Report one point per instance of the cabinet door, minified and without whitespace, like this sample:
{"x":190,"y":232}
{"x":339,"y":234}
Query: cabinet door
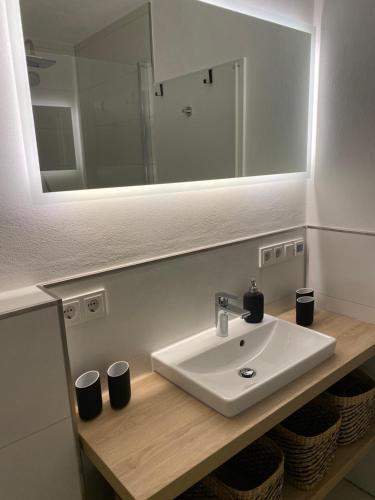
{"x":42,"y":466}
{"x":33,"y":381}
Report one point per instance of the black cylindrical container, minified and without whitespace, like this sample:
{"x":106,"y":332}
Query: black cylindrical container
{"x":119,"y":384}
{"x":305,"y":311}
{"x":304,"y":292}
{"x":253,"y":301}
{"x":89,"y":395}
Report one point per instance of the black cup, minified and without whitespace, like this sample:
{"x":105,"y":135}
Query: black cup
{"x":304,"y":292}
{"x":119,"y":384}
{"x":89,"y":395}
{"x":305,"y":311}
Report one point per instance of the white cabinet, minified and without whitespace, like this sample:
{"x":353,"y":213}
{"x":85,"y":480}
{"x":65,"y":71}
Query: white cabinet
{"x":38,"y":449}
{"x":32,"y":374}
{"x":42,"y":466}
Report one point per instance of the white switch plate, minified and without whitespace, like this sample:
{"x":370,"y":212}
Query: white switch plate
{"x":299,"y":247}
{"x":289,"y":250}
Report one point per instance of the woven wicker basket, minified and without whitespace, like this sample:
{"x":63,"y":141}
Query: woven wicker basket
{"x":354,"y":397}
{"x":308,"y":439}
{"x":256,"y":473}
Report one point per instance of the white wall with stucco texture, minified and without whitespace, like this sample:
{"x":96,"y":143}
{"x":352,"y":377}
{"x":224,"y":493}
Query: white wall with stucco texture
{"x":341,"y":200}
{"x":45,"y":241}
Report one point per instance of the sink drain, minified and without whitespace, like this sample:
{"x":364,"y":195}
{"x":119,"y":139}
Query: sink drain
{"x":247,"y":373}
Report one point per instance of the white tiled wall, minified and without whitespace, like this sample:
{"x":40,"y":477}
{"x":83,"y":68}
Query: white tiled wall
{"x":111,"y":122}
{"x":110,"y":100}
{"x":342,"y":272}
{"x":58,"y":88}
{"x":155,"y":304}
{"x":342,"y":194}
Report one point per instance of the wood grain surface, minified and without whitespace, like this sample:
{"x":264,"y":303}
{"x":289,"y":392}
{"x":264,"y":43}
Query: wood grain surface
{"x":165,"y":440}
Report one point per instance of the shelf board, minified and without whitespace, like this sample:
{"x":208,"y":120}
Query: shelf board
{"x":165,"y":440}
{"x":346,"y":458}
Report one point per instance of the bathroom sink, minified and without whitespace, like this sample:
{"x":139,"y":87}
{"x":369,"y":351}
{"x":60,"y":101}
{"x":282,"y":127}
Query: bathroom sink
{"x":231,"y":374}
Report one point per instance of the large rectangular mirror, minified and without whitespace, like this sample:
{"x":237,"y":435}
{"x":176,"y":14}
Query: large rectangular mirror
{"x":129,"y":93}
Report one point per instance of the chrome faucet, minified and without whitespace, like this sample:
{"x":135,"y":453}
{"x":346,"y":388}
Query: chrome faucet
{"x":222,"y":310}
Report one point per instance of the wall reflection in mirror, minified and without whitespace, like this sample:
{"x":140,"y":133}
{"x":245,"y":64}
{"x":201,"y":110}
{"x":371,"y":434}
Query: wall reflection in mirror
{"x":129,"y":93}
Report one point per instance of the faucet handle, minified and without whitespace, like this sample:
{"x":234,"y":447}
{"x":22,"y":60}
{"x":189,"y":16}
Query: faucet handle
{"x":222,"y":298}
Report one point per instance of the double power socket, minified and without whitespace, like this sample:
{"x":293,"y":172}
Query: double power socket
{"x":85,"y":307}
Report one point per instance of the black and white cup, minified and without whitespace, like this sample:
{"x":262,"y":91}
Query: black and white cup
{"x":89,"y":395}
{"x":119,"y":384}
{"x":304,"y":292}
{"x":305,"y":311}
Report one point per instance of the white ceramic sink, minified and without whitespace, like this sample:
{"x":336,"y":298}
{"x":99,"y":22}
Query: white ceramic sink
{"x":208,"y":366}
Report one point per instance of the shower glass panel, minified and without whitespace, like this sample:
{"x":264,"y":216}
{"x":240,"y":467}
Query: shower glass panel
{"x":112,"y":123}
{"x":88,"y":123}
{"x":54,"y":136}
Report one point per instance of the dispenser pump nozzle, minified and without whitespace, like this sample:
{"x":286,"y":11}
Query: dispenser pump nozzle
{"x":253,"y":287}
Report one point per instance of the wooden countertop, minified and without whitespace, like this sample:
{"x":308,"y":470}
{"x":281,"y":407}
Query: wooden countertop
{"x":166,"y":440}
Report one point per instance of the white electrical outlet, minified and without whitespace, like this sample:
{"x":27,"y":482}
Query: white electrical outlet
{"x":266,"y":256}
{"x":279,"y":253}
{"x":72,"y":312}
{"x":85,"y":307}
{"x":94,"y":305}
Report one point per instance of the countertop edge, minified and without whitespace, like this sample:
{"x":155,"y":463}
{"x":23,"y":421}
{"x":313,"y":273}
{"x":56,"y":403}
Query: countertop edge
{"x":233,"y":446}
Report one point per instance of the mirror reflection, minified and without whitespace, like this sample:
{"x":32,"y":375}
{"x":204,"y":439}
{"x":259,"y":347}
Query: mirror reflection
{"x":129,"y":93}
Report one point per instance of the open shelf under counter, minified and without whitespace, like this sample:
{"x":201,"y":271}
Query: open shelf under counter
{"x":346,"y":457}
{"x":165,"y":440}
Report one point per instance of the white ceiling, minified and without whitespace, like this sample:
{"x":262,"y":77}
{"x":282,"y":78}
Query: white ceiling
{"x":68,"y":22}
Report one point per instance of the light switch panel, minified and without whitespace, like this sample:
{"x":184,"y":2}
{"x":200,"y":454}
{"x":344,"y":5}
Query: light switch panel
{"x":289,"y":250}
{"x":279,"y":253}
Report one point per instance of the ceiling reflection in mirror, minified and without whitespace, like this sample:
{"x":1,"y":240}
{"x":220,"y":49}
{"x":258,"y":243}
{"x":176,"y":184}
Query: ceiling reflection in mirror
{"x":128,"y":93}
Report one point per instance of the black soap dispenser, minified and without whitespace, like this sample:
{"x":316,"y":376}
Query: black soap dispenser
{"x":253,"y":301}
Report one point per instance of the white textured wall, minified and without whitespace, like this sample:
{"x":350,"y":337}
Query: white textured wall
{"x":341,"y":265}
{"x":46,"y":241}
{"x":342,"y":194}
{"x":345,"y":173}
